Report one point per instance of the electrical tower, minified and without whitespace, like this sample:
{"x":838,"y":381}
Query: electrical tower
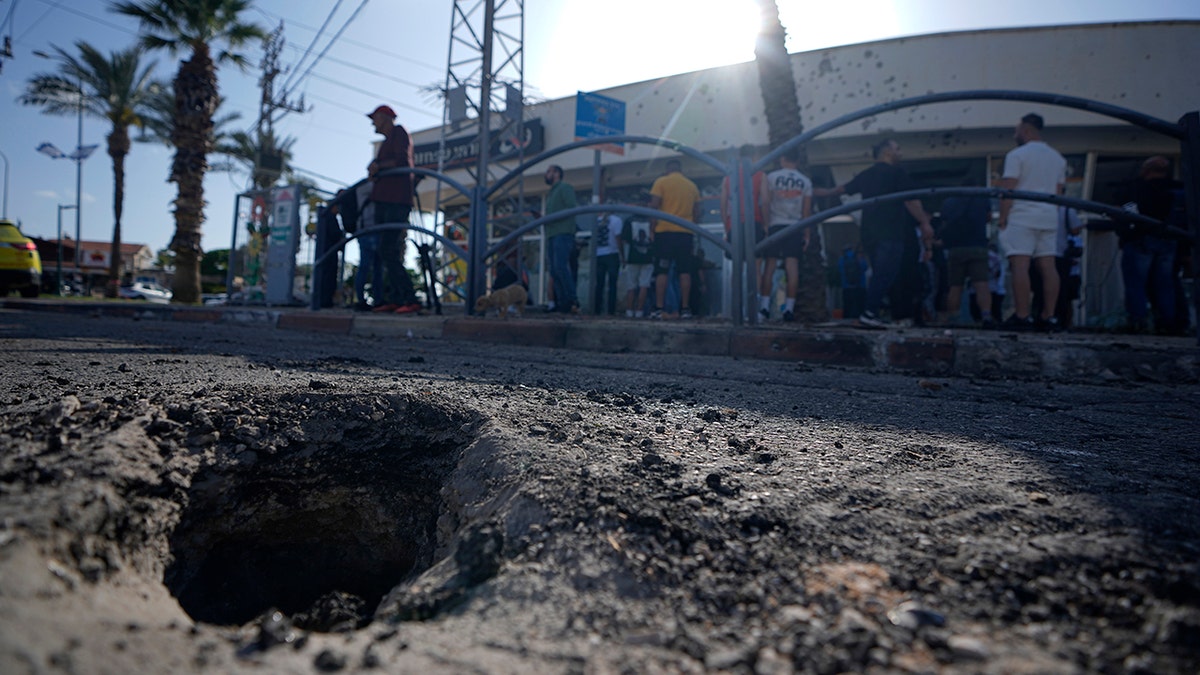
{"x":483,"y":99}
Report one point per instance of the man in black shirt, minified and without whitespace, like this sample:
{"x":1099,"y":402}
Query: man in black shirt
{"x":885,"y":227}
{"x":964,"y":234}
{"x":1148,"y":257}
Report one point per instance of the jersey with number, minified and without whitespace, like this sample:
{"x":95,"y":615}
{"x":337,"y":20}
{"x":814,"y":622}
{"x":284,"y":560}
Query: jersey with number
{"x":788,"y":188}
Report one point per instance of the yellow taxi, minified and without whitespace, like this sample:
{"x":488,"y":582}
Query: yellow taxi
{"x":20,"y":264}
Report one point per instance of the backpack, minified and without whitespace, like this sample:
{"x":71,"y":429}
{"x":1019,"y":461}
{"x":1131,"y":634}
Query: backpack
{"x":352,"y":205}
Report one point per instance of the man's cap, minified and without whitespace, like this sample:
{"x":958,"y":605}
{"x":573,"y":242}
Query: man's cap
{"x":383,"y":109}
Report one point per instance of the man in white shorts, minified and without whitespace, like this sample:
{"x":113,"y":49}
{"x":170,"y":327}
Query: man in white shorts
{"x":786,"y":197}
{"x":1029,"y":230}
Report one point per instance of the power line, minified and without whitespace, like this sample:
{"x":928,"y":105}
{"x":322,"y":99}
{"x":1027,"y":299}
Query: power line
{"x":336,"y":104}
{"x":76,"y":12}
{"x":369,"y":71}
{"x":335,"y":181}
{"x":8,"y":17}
{"x":373,"y":94}
{"x":34,"y":24}
{"x":332,"y":41}
{"x":313,"y":42}
{"x":7,"y":53}
{"x":356,"y":43}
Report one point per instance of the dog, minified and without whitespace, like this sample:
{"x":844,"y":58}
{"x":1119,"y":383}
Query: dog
{"x":503,"y":301}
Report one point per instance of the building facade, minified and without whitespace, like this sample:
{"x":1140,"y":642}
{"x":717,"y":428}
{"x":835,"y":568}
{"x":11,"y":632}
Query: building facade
{"x":1142,"y":66}
{"x":94,"y":257}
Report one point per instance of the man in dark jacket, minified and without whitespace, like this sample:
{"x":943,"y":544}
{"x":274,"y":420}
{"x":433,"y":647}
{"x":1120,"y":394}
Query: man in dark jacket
{"x":885,"y":227}
{"x":392,"y":197}
{"x":1148,"y":257}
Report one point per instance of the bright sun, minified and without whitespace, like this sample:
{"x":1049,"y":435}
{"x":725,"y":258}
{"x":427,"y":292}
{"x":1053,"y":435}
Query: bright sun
{"x":636,"y":40}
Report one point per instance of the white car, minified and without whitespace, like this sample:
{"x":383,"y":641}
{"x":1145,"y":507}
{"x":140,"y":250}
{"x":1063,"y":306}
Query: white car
{"x":144,"y":290}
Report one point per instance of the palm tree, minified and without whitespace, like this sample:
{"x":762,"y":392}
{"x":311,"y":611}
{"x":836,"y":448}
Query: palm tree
{"x":159,"y":119}
{"x":782,"y":107}
{"x":246,"y":148}
{"x":116,"y":88}
{"x":195,"y":26}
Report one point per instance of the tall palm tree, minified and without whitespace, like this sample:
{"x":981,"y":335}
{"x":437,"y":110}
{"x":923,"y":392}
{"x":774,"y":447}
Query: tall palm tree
{"x":158,"y":121}
{"x":116,"y":88}
{"x":195,"y":26}
{"x":782,"y":107}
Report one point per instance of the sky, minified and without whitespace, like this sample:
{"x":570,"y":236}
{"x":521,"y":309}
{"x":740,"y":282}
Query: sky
{"x":389,"y":51}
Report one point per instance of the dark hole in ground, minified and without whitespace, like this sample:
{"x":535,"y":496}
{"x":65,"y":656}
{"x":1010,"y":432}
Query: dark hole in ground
{"x":316,"y":525}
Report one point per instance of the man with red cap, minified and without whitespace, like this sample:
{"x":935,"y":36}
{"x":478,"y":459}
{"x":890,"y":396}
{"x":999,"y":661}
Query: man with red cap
{"x":393,"y":200}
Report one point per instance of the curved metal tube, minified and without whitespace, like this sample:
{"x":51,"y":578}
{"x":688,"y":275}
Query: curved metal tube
{"x":1081,"y":204}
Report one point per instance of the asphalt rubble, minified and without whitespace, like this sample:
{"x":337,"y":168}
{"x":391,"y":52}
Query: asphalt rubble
{"x":261,"y":490}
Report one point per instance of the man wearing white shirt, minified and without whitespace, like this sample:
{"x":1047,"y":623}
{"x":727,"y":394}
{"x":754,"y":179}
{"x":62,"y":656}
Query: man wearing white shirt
{"x":1029,"y":230}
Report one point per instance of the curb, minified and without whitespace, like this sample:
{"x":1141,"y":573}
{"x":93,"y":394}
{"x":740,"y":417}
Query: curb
{"x":931,"y":352}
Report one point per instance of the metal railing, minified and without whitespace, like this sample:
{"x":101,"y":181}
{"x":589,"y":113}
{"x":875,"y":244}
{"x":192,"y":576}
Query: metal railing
{"x":739,"y":174}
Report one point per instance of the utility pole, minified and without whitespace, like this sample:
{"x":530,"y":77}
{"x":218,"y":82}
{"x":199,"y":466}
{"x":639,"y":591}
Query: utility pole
{"x":268,"y":161}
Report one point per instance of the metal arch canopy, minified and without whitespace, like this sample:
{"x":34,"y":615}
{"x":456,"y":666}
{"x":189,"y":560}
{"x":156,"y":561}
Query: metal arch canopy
{"x":450,"y":244}
{"x":649,"y":140}
{"x":1143,"y":120}
{"x":605,"y":208}
{"x":1081,"y":204}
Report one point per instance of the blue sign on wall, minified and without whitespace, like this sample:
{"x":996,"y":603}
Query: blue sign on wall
{"x":598,"y":116}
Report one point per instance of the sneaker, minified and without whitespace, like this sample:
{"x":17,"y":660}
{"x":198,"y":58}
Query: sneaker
{"x":788,"y":316}
{"x":685,"y":313}
{"x":1050,"y":325}
{"x":656,"y":314}
{"x":988,"y":323}
{"x":386,"y":308}
{"x":870,"y":320}
{"x":409,"y":308}
{"x":629,"y":314}
{"x":639,"y":314}
{"x":362,"y":307}
{"x":764,"y":315}
{"x":1015,"y":323}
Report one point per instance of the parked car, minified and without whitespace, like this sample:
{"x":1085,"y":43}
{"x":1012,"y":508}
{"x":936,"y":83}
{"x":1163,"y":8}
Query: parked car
{"x":145,"y":290}
{"x":20,"y":264}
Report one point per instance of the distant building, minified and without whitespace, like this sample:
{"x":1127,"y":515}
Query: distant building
{"x":136,"y":260}
{"x":1145,"y":66}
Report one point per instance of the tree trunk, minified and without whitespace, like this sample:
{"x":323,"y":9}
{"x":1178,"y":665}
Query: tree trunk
{"x":782,"y":106}
{"x":195,"y":103}
{"x":118,"y":148}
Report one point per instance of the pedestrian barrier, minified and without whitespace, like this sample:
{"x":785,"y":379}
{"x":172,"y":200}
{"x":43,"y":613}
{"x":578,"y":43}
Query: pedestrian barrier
{"x":740,"y":173}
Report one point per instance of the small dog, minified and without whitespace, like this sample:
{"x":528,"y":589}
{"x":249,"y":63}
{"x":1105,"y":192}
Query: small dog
{"x":505,"y":300}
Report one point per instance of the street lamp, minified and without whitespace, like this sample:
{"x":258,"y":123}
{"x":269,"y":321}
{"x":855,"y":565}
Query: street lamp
{"x":5,"y":216}
{"x":58,"y":268}
{"x":79,"y":155}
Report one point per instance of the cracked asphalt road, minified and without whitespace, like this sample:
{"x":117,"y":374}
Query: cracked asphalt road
{"x":551,"y":511}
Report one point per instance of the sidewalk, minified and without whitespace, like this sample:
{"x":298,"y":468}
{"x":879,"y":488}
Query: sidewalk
{"x":923,"y":351}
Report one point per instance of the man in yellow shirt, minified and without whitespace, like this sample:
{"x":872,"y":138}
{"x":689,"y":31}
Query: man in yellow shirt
{"x":673,"y":193}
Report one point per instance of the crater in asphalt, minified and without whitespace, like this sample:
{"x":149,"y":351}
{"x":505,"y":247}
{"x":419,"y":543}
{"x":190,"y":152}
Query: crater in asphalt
{"x":320,"y":526}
